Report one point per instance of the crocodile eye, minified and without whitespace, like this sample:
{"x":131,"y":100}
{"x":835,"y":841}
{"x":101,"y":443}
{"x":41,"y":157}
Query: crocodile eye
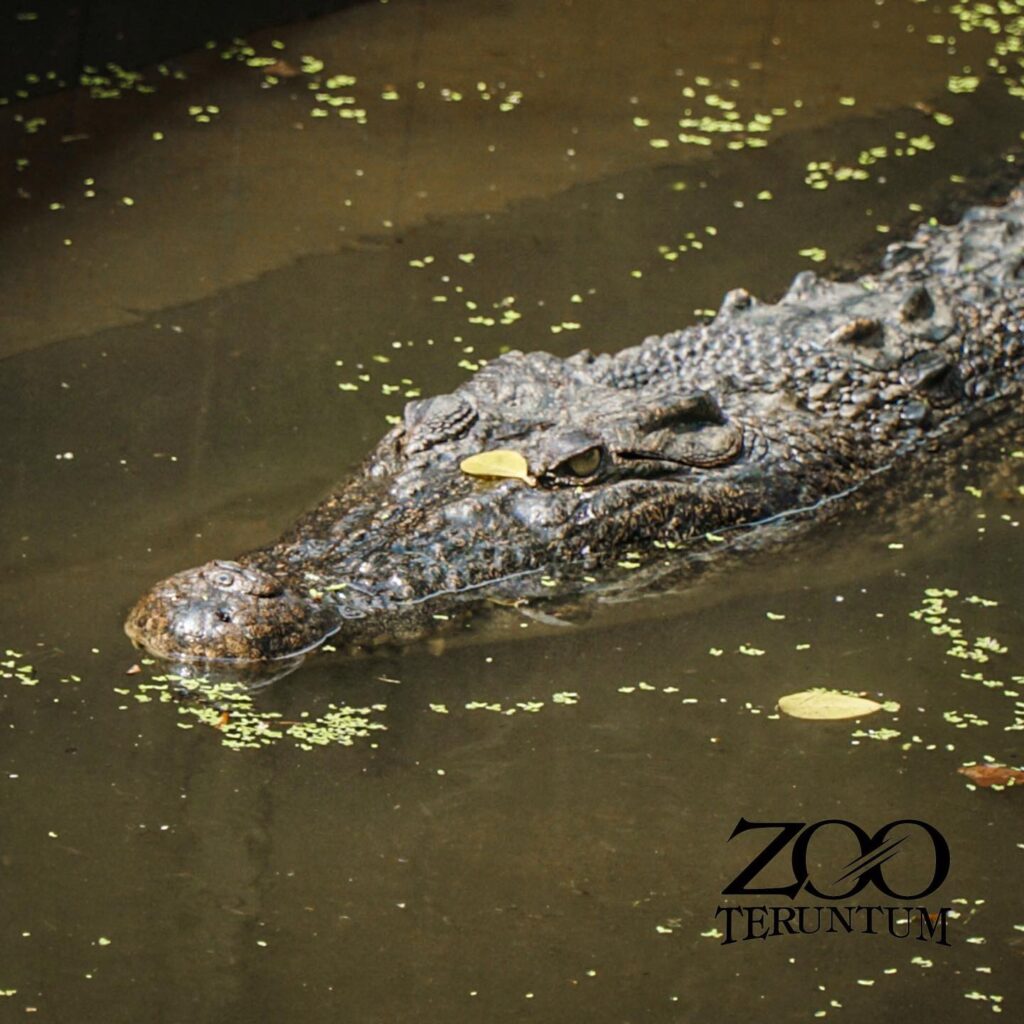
{"x":583,"y":464}
{"x":223,"y":579}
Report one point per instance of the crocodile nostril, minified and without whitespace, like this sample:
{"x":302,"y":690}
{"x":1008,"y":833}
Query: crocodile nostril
{"x":223,"y":615}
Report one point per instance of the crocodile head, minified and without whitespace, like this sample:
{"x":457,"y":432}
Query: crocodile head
{"x":767,"y":412}
{"x":413,"y":533}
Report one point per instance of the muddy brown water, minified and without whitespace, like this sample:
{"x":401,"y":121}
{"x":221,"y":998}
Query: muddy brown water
{"x":532,"y":823}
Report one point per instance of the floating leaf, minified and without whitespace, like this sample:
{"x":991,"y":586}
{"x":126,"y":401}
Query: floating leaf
{"x":986,"y":775}
{"x":280,"y":69}
{"x":826,"y":705}
{"x":501,"y":462}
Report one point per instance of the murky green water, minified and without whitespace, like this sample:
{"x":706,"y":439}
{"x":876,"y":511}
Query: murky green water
{"x":532,"y":823}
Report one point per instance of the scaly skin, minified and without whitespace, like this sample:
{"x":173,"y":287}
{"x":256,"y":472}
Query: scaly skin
{"x":769,"y":409}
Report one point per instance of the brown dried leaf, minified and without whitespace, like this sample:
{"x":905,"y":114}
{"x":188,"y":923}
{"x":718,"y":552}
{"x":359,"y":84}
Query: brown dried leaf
{"x":281,"y":69}
{"x":986,"y":775}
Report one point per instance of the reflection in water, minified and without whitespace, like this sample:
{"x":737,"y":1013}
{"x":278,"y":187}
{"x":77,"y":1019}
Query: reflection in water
{"x":207,"y":316}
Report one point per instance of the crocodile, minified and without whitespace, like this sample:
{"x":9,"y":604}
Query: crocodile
{"x":765,"y":411}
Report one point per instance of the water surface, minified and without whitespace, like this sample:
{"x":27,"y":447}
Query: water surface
{"x":528,"y":822}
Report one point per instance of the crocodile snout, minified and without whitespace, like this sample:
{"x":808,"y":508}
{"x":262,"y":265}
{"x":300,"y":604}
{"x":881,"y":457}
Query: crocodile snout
{"x":225,"y":611}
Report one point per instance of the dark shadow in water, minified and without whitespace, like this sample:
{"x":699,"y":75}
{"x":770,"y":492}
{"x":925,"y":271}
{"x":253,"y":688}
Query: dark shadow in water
{"x":64,"y":37}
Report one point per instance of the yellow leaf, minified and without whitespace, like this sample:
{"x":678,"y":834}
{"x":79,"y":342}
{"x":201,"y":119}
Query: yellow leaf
{"x":501,"y":462}
{"x":826,"y":705}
